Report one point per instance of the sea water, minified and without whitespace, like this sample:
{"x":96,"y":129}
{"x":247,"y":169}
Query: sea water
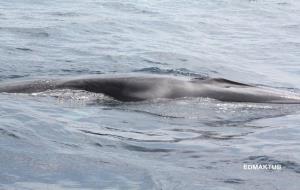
{"x":68,"y":139}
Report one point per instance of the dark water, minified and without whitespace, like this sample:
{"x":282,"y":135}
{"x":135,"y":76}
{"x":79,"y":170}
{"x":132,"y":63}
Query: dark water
{"x":78,"y":140}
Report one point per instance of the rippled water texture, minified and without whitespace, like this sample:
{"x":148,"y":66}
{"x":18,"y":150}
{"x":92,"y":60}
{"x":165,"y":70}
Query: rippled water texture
{"x":78,"y":140}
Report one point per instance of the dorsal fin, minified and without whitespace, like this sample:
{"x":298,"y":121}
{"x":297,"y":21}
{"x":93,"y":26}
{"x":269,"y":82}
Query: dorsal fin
{"x":222,"y":80}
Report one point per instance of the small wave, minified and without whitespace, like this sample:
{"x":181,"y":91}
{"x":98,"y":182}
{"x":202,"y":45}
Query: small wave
{"x":155,"y":62}
{"x":69,"y":145}
{"x":206,"y":135}
{"x":283,"y":3}
{"x":24,"y":49}
{"x":80,"y":71}
{"x":97,"y":144}
{"x":147,"y":112}
{"x":64,"y":14}
{"x":13,"y":76}
{"x":7,"y":133}
{"x":33,"y":32}
{"x":146,"y":149}
{"x":127,"y":7}
{"x":234,"y":181}
{"x":142,"y":138}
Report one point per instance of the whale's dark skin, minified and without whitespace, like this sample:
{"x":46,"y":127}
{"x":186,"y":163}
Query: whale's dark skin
{"x":139,"y":88}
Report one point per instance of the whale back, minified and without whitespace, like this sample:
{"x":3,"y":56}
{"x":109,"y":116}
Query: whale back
{"x":145,"y":88}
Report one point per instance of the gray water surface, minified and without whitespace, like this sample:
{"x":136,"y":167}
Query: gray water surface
{"x":78,"y":140}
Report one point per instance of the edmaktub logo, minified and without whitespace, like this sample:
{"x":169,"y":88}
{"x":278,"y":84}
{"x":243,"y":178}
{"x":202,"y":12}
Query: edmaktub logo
{"x":262,"y":167}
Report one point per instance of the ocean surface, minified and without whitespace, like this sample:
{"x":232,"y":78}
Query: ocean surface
{"x":67,"y":140}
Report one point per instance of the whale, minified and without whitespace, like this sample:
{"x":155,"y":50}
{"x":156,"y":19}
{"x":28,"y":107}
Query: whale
{"x":149,"y":87}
